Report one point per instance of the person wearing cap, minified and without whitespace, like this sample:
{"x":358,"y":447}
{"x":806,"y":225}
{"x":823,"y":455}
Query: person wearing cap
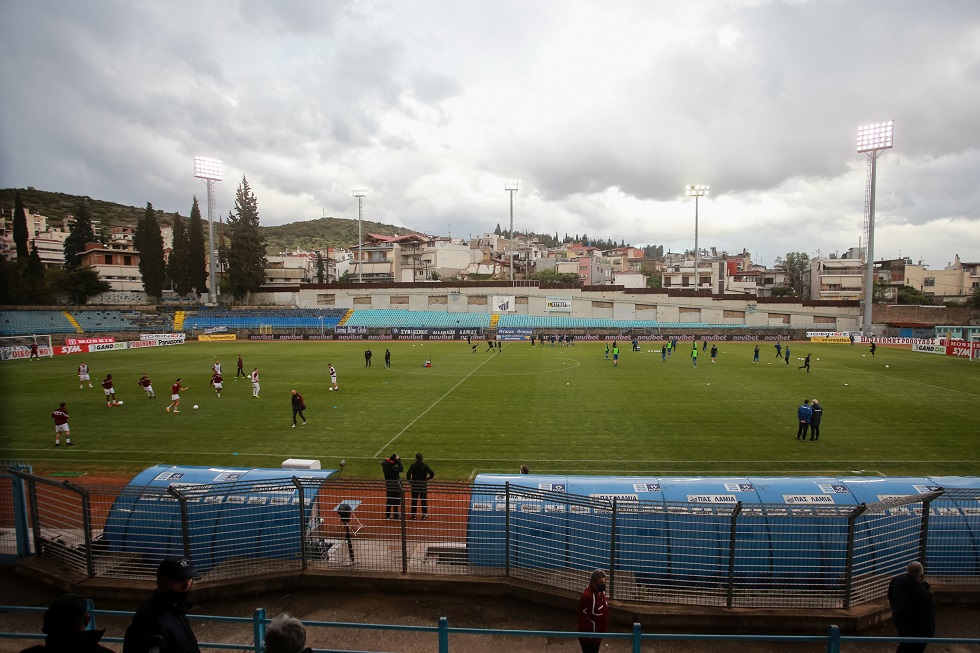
{"x":65,"y":628}
{"x":161,"y":623}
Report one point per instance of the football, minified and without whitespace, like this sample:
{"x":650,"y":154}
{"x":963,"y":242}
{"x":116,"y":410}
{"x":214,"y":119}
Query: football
{"x":195,"y":406}
{"x":119,"y":403}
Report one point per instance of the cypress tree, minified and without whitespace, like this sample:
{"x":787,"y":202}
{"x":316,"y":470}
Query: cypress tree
{"x":20,"y":228}
{"x":179,"y":264}
{"x":80,"y":233}
{"x":35,"y":269}
{"x":149,"y":241}
{"x":246,"y":260}
{"x":320,"y":273}
{"x":197,"y":251}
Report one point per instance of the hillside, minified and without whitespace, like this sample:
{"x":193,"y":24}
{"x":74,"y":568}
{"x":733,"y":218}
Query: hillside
{"x":311,"y":234}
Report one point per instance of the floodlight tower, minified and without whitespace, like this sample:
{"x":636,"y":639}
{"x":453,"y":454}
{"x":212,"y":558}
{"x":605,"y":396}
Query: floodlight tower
{"x":210,"y":170}
{"x":696,"y":191}
{"x":872,"y":140}
{"x":360,"y":192}
{"x":512,"y":187}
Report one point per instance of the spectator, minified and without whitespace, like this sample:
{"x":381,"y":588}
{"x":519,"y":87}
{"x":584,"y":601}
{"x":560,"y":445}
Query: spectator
{"x":912,"y":607}
{"x":65,"y":628}
{"x":392,"y":468}
{"x":593,"y":612}
{"x":160,"y":624}
{"x":285,"y":634}
{"x":419,"y":474}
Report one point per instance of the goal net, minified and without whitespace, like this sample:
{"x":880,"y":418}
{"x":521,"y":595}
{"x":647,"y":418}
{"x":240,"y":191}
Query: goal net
{"x":265,"y":329}
{"x":19,"y":347}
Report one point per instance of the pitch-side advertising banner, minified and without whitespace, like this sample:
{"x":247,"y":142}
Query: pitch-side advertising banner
{"x":88,"y":341}
{"x":162,"y":340}
{"x":840,"y":340}
{"x":930,"y":349}
{"x":218,"y":336}
{"x":12,"y":352}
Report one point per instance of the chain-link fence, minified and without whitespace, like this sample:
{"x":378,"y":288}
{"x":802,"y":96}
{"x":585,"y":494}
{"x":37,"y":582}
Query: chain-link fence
{"x":733,"y":555}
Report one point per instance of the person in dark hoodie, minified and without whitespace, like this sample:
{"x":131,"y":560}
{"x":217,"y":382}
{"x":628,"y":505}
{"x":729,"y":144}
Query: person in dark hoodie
{"x":392,"y":468}
{"x":912,"y":607}
{"x":160,"y":624}
{"x":65,"y":628}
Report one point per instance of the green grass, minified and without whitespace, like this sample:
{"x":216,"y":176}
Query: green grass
{"x":562,"y":410}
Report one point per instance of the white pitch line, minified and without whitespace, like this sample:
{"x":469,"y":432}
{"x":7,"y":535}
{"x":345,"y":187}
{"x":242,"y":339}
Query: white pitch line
{"x":433,"y":405}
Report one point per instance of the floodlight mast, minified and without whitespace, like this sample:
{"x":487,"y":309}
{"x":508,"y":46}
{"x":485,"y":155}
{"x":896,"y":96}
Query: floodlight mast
{"x":512,"y":187}
{"x":360,"y":192}
{"x":210,"y":170}
{"x":696,"y":191}
{"x":872,"y":140}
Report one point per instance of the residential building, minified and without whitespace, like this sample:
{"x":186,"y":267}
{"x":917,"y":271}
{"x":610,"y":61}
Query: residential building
{"x":837,"y":278}
{"x":117,"y":264}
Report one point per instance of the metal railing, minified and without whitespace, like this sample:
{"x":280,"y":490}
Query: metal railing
{"x":256,"y":626}
{"x":726,"y":555}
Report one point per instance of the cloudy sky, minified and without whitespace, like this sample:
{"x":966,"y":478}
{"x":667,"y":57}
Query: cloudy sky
{"x":603,"y":110}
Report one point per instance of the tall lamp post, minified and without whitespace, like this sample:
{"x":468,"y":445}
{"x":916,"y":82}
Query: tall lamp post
{"x":360,"y":193}
{"x":512,"y":187}
{"x":872,"y":140}
{"x":696,"y":191}
{"x":210,"y":170}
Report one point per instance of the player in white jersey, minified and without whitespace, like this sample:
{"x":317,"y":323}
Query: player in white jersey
{"x":83,"y":376}
{"x":333,"y":377}
{"x":255,"y":383}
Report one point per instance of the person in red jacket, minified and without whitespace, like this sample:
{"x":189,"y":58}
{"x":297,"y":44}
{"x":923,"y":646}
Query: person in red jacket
{"x":60,"y":417}
{"x":593,"y":612}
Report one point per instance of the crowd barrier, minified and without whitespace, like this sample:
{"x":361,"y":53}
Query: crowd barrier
{"x":733,"y":554}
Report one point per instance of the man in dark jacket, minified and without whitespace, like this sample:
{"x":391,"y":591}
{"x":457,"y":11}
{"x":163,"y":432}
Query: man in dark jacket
{"x":912,"y":608}
{"x":392,"y":467}
{"x":593,"y":612}
{"x":816,"y":414}
{"x":161,"y":623}
{"x":803,"y":415}
{"x":298,"y":407}
{"x":419,"y":474}
{"x":65,"y":625}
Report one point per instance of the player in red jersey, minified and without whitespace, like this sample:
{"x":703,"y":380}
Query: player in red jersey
{"x":175,"y":395}
{"x":144,"y":383}
{"x":61,"y":426}
{"x":83,"y":376}
{"x":110,"y":392}
{"x":216,"y":381}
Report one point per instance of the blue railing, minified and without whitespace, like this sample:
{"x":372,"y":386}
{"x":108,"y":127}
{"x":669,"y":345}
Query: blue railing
{"x":832,"y":640}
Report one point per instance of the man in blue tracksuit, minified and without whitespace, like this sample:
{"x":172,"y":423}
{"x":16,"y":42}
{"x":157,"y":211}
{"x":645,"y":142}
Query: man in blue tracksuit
{"x":803,"y":414}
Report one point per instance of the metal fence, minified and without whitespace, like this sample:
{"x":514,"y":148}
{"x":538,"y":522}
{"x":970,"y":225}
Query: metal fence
{"x":730,"y":555}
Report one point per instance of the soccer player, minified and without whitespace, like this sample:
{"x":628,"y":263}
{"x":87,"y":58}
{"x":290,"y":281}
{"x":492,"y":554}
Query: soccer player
{"x":175,"y":395}
{"x":615,"y":354}
{"x":694,"y":354}
{"x":787,"y":354}
{"x":61,"y":425}
{"x":663,"y":353}
{"x":241,"y":370}
{"x":34,"y":354}
{"x":714,"y":353}
{"x":333,"y":377}
{"x":110,"y":392}
{"x":83,"y":376}
{"x":144,"y":383}
{"x":216,"y":368}
{"x":387,"y":358}
{"x":755,"y":355}
{"x":255,"y":383}
{"x":216,"y":380}
{"x":806,"y":364}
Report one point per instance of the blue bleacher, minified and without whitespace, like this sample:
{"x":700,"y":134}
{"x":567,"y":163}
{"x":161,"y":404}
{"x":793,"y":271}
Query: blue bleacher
{"x":96,"y":321}
{"x":18,"y":323}
{"x":384,"y":318}
{"x":285,"y":318}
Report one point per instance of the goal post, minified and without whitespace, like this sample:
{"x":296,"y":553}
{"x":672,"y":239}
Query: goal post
{"x":265,"y":329}
{"x":19,"y":347}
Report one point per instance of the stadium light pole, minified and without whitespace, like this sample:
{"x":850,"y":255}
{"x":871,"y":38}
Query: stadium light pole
{"x":512,"y":187}
{"x":360,"y":193}
{"x":210,"y":170}
{"x":696,"y":191}
{"x":872,"y":140}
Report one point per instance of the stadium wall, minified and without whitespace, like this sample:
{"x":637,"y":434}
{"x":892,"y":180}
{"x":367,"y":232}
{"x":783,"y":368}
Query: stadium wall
{"x":610,"y":302}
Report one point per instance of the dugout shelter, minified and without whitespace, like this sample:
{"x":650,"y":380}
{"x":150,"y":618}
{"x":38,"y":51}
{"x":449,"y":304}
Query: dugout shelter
{"x":214,"y":514}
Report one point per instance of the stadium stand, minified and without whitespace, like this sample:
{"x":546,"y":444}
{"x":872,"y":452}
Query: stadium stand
{"x":388,"y":318}
{"x":100,"y":321}
{"x":16,"y":323}
{"x":292,"y":318}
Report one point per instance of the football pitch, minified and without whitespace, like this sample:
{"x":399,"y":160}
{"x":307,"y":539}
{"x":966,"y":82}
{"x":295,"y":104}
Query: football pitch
{"x":558,"y":410}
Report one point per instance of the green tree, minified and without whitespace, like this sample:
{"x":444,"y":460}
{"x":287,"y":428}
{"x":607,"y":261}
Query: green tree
{"x":179,"y":265}
{"x":797,"y":267}
{"x":345,"y":277}
{"x":21,"y":234}
{"x":149,"y":242}
{"x":197,"y":255}
{"x":246,"y":260}
{"x":320,"y":271}
{"x":880,"y":291}
{"x":79,"y":234}
{"x":79,"y":283}
{"x":909,"y":295}
{"x":974,"y":300}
